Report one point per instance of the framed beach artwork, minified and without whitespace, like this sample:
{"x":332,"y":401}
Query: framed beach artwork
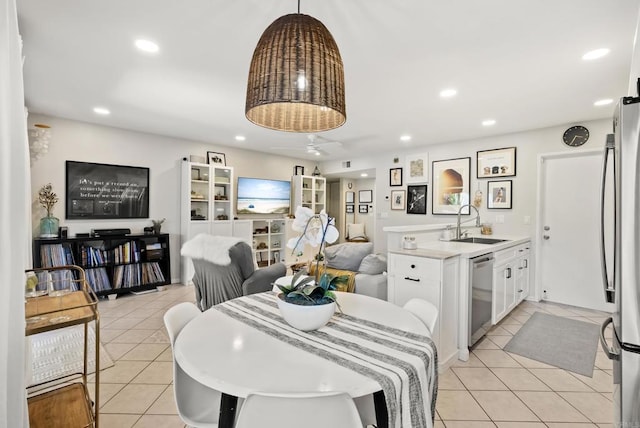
{"x":496,"y":163}
{"x":450,"y":180}
{"x":397,"y":199}
{"x":417,"y":168}
{"x":417,"y":199}
{"x":499,"y":195}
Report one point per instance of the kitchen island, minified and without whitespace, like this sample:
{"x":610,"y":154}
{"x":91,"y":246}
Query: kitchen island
{"x":439,"y":271}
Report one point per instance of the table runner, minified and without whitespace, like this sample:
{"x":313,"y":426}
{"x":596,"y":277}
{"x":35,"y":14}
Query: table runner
{"x":403,"y":363}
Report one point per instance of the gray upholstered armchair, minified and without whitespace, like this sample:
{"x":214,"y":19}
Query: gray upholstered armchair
{"x":224,"y":269}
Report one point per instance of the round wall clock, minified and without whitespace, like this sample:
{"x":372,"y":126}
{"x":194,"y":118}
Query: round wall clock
{"x":575,"y":136}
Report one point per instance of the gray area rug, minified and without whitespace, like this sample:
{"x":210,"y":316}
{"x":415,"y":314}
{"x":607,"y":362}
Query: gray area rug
{"x":561,"y":342}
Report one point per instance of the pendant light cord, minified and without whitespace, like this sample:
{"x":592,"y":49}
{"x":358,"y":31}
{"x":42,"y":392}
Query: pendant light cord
{"x":299,"y":9}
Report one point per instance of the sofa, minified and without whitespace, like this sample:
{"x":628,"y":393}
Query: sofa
{"x":370,"y":270}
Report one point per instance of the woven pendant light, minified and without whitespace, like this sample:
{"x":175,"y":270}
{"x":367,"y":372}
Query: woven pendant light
{"x":296,"y":78}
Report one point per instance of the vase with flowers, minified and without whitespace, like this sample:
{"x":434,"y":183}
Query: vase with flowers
{"x":49,"y":224}
{"x":308,"y":302}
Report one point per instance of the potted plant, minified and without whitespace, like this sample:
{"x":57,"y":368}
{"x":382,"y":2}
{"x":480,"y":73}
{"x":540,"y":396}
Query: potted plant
{"x":49,"y":224}
{"x":308,"y":302}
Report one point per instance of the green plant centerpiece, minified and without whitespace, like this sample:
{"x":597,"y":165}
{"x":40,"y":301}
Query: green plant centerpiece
{"x":308,"y":302}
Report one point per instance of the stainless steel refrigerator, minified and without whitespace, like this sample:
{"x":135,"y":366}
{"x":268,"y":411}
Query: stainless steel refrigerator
{"x":620,"y":213}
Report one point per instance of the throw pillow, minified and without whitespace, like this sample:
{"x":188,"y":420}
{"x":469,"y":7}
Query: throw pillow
{"x":347,"y":256}
{"x":373,"y":264}
{"x":355,"y":230}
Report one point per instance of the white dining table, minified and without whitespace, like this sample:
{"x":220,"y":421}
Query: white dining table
{"x":237,"y":359}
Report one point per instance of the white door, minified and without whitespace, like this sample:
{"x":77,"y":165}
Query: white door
{"x":569,"y":268}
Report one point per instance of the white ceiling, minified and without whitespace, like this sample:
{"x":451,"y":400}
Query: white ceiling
{"x":518,"y":62}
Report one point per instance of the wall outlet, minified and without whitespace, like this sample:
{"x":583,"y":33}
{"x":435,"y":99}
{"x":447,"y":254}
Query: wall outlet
{"x":527,"y":219}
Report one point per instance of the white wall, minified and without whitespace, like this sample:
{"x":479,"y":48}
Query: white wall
{"x":528,"y":146}
{"x":79,"y":141}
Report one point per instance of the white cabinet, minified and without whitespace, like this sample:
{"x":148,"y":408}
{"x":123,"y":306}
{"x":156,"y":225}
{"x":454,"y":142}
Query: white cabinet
{"x":206,"y":206}
{"x":310,"y":192}
{"x":436,"y":281}
{"x":510,"y":280}
{"x":269,"y":242}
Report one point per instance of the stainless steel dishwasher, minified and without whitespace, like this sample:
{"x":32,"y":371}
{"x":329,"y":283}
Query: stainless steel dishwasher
{"x":480,"y":296}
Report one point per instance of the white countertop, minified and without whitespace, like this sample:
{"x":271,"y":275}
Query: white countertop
{"x":446,"y":249}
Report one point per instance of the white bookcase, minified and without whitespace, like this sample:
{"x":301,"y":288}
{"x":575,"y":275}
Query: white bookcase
{"x":309,"y":191}
{"x":269,"y":242}
{"x":206,"y":206}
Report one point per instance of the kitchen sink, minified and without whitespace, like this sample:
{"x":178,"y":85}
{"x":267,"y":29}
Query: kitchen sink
{"x":474,"y":240}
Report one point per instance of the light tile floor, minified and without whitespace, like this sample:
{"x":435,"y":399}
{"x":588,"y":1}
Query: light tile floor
{"x":493,"y":389}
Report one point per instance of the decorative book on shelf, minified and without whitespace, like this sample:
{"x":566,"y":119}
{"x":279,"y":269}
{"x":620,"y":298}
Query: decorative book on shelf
{"x":112,"y":264}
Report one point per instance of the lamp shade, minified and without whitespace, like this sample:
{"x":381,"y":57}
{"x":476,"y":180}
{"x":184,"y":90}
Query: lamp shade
{"x":296,"y":78}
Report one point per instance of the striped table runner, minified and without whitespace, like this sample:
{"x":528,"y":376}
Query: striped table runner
{"x":404,"y":364}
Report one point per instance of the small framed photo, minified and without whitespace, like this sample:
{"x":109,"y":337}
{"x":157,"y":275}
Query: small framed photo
{"x":397,"y":199}
{"x":363,"y":208}
{"x":215,"y":158}
{"x":417,"y":199}
{"x":395,"y":177}
{"x":350,"y":209}
{"x":365,"y":196}
{"x":499,"y":195}
{"x":298,"y":170}
{"x":349,"y":197}
{"x":496,"y":163}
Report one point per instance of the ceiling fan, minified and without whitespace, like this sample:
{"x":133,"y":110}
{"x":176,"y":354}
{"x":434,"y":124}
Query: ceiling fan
{"x":317,"y":145}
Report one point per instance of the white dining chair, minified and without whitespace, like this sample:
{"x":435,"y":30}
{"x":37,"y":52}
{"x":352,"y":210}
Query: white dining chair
{"x":425,"y":311}
{"x":295,"y":410}
{"x":198,"y":406}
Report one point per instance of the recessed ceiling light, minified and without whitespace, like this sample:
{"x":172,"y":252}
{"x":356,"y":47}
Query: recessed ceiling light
{"x":364,"y":174}
{"x":405,"y":138}
{"x":147,"y":46}
{"x":240,"y":138}
{"x":448,"y":93}
{"x":102,"y":111}
{"x":595,"y":54}
{"x":604,"y":102}
{"x":488,"y":122}
{"x":317,"y":153}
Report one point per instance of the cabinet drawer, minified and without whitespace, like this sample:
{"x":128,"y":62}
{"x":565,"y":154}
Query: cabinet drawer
{"x":511,"y":252}
{"x":413,"y":267}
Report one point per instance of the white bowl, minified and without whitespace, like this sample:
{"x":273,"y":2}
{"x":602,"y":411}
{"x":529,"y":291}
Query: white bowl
{"x":306,"y":318}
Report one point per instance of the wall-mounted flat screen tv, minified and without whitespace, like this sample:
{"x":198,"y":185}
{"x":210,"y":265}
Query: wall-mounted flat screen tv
{"x":102,"y":191}
{"x":262,"y":196}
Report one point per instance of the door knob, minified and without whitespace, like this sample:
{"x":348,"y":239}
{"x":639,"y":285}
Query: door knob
{"x":547,"y":228}
{"x":546,"y":236}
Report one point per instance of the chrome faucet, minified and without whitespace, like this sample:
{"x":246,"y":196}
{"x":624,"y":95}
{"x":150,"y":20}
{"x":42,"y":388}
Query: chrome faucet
{"x":477,"y":218}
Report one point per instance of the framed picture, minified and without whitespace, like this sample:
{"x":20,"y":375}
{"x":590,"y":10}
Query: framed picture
{"x":499,"y":194}
{"x":363,"y":208}
{"x":349,"y":197}
{"x":298,"y":170}
{"x":417,"y":199}
{"x":450,"y":186}
{"x":496,"y":163}
{"x":417,"y":166}
{"x":350,"y":209}
{"x":397,"y":199}
{"x":365,"y":196}
{"x":216,"y":158}
{"x":104,"y":191}
{"x":395,"y":177}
